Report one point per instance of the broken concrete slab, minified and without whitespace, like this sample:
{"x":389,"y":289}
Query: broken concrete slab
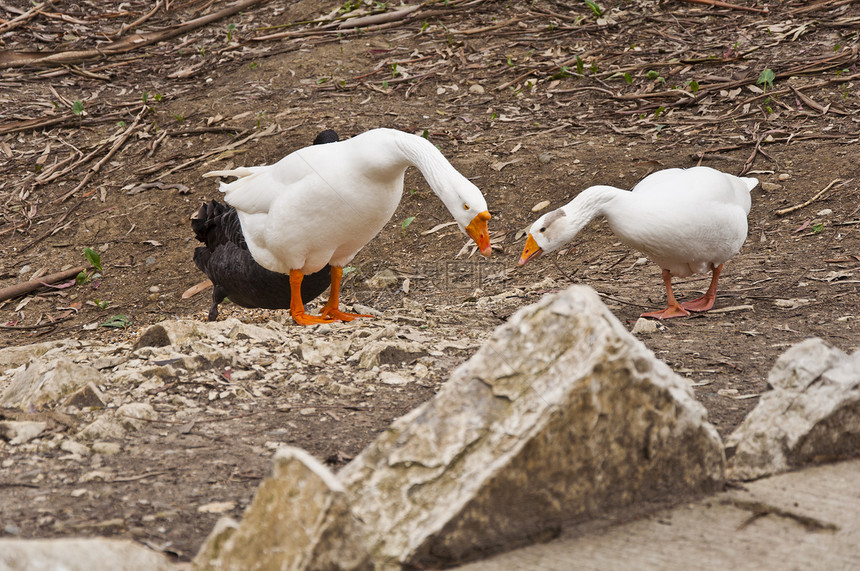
{"x":808,"y":519}
{"x":299,"y":520}
{"x":812,"y":413}
{"x":560,"y":417}
{"x":79,"y":554}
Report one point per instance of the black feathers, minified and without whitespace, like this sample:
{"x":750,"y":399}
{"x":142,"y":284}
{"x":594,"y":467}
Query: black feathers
{"x":226,"y":261}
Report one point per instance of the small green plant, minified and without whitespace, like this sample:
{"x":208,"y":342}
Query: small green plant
{"x":202,"y":51}
{"x":230,"y":29}
{"x":836,"y":47}
{"x":766,"y":78}
{"x":426,"y":134}
{"x":593,"y":67}
{"x":117,"y":321}
{"x":767,"y":106}
{"x":394,"y":69}
{"x":93,"y":258}
{"x":425,"y":25}
{"x":628,"y":78}
{"x":655,"y":75}
{"x":580,"y":66}
{"x":78,"y":107}
{"x":145,"y":97}
{"x":101,"y":304}
{"x":405,"y":224}
{"x":510,"y":62}
{"x":561,"y":74}
{"x":594,"y":7}
{"x":493,"y":116}
{"x":96,"y":262}
{"x":659,"y":111}
{"x":180,"y":117}
{"x":818,"y":228}
{"x":120,"y":124}
{"x":254,"y":65}
{"x":694,"y":86}
{"x":260,"y":117}
{"x":350,"y":5}
{"x":384,"y":84}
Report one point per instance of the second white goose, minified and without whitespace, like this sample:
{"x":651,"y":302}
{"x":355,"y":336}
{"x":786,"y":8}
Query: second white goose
{"x":687,"y":221}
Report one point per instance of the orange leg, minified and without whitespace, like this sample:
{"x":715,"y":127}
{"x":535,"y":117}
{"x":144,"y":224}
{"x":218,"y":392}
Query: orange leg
{"x":673,"y":309}
{"x":706,"y":302}
{"x":330,"y":309}
{"x":297,"y":307}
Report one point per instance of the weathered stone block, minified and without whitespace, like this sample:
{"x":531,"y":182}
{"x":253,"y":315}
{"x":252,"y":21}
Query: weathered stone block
{"x":299,"y":520}
{"x":561,"y":416}
{"x":812,"y":413}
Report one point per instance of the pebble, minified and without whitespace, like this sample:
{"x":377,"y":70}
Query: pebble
{"x":770,"y":186}
{"x":644,"y":326}
{"x":109,"y":448}
{"x":154,"y":289}
{"x":825,"y":212}
{"x":476,"y":89}
{"x":784,"y":176}
{"x":25,"y":270}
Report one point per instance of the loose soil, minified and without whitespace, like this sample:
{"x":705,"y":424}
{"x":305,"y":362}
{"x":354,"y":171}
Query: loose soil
{"x":532,"y":101}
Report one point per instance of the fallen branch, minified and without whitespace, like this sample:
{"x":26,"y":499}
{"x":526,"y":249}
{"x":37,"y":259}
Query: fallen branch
{"x":22,"y":19}
{"x":719,"y":4}
{"x":17,"y":290}
{"x":125,"y":27}
{"x":378,"y":18}
{"x":785,"y":211}
{"x":22,"y":59}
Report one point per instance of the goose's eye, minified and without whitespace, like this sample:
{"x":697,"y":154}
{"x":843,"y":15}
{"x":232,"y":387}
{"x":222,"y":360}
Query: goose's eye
{"x":465,"y":206}
{"x":543,"y":229}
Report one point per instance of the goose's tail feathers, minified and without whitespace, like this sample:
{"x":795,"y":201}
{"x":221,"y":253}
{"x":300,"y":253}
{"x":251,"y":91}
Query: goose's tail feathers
{"x":240,"y":172}
{"x":750,"y":182}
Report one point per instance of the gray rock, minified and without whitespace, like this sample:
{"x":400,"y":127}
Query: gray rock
{"x":207,"y":557}
{"x":12,"y":357}
{"x":561,"y":417}
{"x":79,"y":555}
{"x":18,"y":432}
{"x":383,"y":279}
{"x":44,"y":382}
{"x":299,"y":519}
{"x":89,"y":396}
{"x":387,"y":352}
{"x":319,"y":351}
{"x":811,"y":414}
{"x":155,"y":336}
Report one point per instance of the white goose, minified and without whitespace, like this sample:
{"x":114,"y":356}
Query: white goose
{"x":321,"y":204}
{"x":687,"y":221}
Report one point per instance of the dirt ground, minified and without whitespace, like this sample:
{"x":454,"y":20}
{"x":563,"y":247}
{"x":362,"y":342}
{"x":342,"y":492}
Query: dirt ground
{"x":533,"y":101}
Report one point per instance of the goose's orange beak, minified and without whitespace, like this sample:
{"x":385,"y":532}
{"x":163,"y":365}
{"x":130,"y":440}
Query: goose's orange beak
{"x":477,"y":231}
{"x":532,"y":250}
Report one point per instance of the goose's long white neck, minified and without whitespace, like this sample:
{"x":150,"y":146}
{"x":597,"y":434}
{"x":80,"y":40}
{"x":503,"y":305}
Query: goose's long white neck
{"x":591,"y":202}
{"x":437,"y":171}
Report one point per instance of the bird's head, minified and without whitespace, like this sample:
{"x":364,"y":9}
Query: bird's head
{"x":470,"y":211}
{"x":547,"y":234}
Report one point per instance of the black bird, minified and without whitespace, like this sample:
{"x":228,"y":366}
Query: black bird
{"x":228,"y":264}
